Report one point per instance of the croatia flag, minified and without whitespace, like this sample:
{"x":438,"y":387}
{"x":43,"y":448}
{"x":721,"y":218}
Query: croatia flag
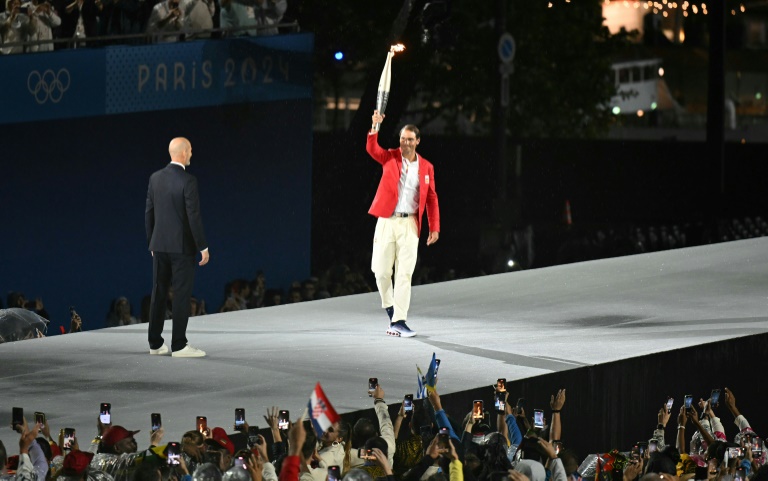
{"x":321,"y":413}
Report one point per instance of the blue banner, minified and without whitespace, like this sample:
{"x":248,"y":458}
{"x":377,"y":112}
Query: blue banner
{"x":122,"y":79}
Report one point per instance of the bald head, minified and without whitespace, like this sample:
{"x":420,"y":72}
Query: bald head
{"x":180,"y":150}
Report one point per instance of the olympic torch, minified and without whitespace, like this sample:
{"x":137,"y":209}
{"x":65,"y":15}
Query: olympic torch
{"x":386,"y":76}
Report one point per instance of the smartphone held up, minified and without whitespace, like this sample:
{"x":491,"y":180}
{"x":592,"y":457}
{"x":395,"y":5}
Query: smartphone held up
{"x":173,"y":453}
{"x":408,"y":404}
{"x":283,"y":420}
{"x":202,"y":424}
{"x":240,"y":419}
{"x":69,"y":438}
{"x":105,"y":413}
{"x":477,"y":409}
{"x":155,"y":421}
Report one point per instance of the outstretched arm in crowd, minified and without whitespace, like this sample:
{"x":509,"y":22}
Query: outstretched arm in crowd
{"x":455,"y":469}
{"x":268,"y":469}
{"x":440,"y":417}
{"x":554,"y":464}
{"x":278,"y":444}
{"x":255,"y":467}
{"x":399,"y":420}
{"x":556,"y":403}
{"x":708,"y":438}
{"x":633,"y":469}
{"x":292,"y":462}
{"x":513,"y":430}
{"x":662,"y":419}
{"x":385,"y":422}
{"x":711,"y":422}
{"x":738,"y":418}
{"x":26,"y":470}
{"x":682,"y":420}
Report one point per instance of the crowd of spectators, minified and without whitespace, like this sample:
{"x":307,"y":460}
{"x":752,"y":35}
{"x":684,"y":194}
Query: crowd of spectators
{"x":32,"y":25}
{"x":422,"y":443}
{"x":614,"y":241}
{"x":343,"y":279}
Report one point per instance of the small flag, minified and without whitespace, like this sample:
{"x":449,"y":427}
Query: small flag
{"x":431,"y":374}
{"x":321,"y":413}
{"x":421,"y":392}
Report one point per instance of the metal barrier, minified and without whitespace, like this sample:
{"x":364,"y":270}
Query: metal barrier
{"x":153,"y":37}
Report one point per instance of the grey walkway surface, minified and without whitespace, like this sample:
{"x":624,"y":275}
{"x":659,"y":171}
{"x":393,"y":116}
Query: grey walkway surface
{"x":515,"y":325}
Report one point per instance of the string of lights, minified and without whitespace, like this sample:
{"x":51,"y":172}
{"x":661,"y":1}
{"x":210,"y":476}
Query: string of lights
{"x":665,"y":7}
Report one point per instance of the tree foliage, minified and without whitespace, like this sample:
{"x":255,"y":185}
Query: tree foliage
{"x":561,"y":69}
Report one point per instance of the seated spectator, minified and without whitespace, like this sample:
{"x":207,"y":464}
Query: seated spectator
{"x":80,"y":21}
{"x":197,"y":307}
{"x":237,"y":292}
{"x":166,"y":18}
{"x":308,"y":288}
{"x":15,"y":26}
{"x":258,"y":291}
{"x":294,"y":295}
{"x":273,"y":297}
{"x":46,"y":20}
{"x":198,"y":15}
{"x":120,"y":313}
{"x":236,"y":14}
{"x":129,"y":16}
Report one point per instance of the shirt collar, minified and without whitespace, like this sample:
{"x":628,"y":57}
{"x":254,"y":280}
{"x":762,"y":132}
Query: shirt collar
{"x":179,"y":164}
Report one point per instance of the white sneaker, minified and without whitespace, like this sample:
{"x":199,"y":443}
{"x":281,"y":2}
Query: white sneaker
{"x":400,"y":329}
{"x":189,"y":351}
{"x":162,"y":351}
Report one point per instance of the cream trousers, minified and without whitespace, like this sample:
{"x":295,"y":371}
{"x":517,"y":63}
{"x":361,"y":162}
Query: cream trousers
{"x":395,"y":244}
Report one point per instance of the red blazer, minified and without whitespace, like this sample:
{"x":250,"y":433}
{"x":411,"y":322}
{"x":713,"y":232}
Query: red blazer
{"x":386,"y":195}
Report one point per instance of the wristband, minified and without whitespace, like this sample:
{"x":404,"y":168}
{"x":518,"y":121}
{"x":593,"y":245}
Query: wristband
{"x":660,"y":426}
{"x":680,"y":427}
{"x":378,"y":400}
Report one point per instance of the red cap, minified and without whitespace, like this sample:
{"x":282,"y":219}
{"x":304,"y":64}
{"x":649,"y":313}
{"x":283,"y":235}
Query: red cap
{"x":115,"y":435}
{"x":220,"y":436}
{"x":76,"y":462}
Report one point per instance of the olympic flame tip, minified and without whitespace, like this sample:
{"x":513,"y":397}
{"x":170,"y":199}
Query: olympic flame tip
{"x":397,"y":48}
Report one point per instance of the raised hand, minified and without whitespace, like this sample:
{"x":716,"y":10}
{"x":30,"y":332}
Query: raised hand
{"x":556,"y":401}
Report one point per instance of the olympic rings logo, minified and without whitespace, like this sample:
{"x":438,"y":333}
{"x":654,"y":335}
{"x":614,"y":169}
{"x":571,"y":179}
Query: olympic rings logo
{"x":48,"y":85}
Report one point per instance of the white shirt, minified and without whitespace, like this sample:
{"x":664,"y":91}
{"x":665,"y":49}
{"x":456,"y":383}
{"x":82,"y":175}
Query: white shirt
{"x":408,"y":187}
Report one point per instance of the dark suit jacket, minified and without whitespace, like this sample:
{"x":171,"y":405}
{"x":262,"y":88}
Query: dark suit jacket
{"x":69,"y":20}
{"x":172,"y":216}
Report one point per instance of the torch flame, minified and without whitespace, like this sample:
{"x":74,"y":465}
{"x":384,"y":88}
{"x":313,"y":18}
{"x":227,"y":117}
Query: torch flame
{"x":397,"y":48}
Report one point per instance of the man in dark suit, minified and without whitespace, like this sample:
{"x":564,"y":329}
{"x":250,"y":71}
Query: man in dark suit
{"x":175,"y":235}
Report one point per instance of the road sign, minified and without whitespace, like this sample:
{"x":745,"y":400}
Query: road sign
{"x":506,"y":47}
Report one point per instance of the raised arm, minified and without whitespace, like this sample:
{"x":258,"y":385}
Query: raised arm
{"x":386,"y":428}
{"x":682,"y":420}
{"x":372,"y":146}
{"x":556,"y":403}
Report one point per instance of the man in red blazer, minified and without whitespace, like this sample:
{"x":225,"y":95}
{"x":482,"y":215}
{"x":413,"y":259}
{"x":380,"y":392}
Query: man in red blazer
{"x":406,"y":188}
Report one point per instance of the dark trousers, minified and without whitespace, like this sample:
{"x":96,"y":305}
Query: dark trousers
{"x":177,"y":270}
